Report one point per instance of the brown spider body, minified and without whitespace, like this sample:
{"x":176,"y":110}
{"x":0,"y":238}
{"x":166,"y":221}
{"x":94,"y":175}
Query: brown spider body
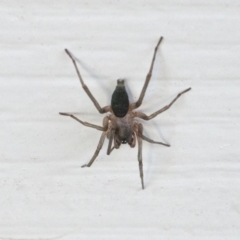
{"x":124,"y":129}
{"x":121,"y":126}
{"x":122,"y":120}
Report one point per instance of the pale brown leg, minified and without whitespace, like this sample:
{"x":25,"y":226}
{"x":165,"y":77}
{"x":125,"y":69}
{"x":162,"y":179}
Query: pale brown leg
{"x":112,"y":149}
{"x":140,"y":160}
{"x":110,"y":141}
{"x":148,"y":77}
{"x":99,"y":147}
{"x":139,"y":134}
{"x":100,"y":109}
{"x":151,"y":141}
{"x":145,"y":117}
{"x":84,"y":123}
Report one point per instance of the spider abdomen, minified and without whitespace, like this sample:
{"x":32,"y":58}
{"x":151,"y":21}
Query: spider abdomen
{"x":120,"y":102}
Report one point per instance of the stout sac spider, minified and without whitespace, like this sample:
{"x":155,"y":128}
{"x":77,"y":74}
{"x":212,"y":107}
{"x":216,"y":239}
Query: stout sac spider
{"x":121,"y":126}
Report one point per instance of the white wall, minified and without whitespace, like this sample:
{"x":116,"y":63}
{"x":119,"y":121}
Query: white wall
{"x":192,"y":189}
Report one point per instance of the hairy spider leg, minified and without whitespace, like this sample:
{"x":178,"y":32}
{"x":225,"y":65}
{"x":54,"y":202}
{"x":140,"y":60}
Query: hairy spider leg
{"x":152,"y":141}
{"x":148,"y":77}
{"x":143,"y":137}
{"x":112,"y":132}
{"x":99,"y":147}
{"x":140,"y":136}
{"x":140,"y":163}
{"x":84,"y":123}
{"x":145,"y":117}
{"x":86,"y":89}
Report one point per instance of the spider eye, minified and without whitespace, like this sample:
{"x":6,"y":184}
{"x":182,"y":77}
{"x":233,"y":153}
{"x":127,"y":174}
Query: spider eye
{"x":124,"y":141}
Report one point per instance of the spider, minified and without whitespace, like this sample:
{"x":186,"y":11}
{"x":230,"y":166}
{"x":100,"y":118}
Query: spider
{"x":121,"y":125}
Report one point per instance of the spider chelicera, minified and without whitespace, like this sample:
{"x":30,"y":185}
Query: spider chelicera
{"x":121,"y":125}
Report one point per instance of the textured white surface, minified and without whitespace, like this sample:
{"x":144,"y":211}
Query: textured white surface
{"x":192,"y":189}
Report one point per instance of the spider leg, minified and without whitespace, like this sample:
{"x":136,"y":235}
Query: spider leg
{"x":148,"y":77}
{"x":145,"y":117}
{"x":111,"y":149}
{"x":140,"y":160}
{"x":139,"y":133}
{"x":99,"y":108}
{"x":84,"y":123}
{"x":99,"y":147}
{"x":110,"y":141}
{"x":151,"y":141}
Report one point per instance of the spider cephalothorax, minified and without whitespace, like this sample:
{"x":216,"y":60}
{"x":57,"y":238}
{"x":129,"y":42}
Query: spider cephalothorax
{"x":121,"y":125}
